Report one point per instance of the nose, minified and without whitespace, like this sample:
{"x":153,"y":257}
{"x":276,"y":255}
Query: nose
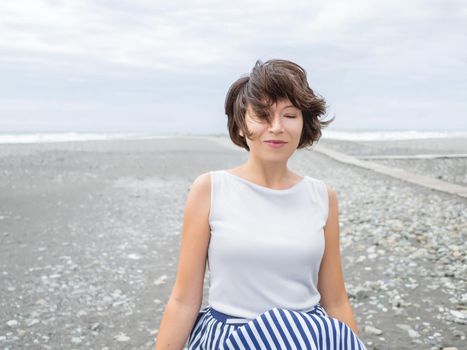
{"x":275,"y":124}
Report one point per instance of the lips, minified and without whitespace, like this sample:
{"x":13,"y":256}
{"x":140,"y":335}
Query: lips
{"x":275,"y":141}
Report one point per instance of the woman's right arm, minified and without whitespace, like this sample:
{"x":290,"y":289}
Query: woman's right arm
{"x":186,"y":297}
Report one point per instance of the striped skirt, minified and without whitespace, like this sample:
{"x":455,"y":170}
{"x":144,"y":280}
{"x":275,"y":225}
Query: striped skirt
{"x":276,"y":328}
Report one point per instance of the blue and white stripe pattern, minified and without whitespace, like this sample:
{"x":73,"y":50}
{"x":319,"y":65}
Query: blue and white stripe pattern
{"x":276,"y":328}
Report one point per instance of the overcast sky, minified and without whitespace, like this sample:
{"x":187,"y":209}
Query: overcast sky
{"x":165,"y":66}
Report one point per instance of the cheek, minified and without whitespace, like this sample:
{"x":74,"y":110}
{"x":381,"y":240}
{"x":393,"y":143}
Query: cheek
{"x":296,"y":127}
{"x":299,"y":126}
{"x":257,"y":128}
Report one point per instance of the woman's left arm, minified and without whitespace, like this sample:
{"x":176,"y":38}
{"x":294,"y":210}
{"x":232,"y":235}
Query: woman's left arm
{"x":330,"y":279}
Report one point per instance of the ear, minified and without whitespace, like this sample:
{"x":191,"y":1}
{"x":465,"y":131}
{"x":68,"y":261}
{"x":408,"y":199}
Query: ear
{"x":240,"y":132}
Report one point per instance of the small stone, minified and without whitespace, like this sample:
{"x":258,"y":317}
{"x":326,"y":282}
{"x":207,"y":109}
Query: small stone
{"x":32,"y":322}
{"x":150,"y":344}
{"x":81,"y":313}
{"x":360,"y":293}
{"x":116,"y":293}
{"x":122,"y":337}
{"x":12,"y":323}
{"x":413,"y":334}
{"x":95,"y":326}
{"x":160,"y":280}
{"x":372,"y":330}
{"x":459,"y":316}
{"x":404,"y":327}
{"x":76,"y":340}
{"x":133,"y":256}
{"x":459,"y":313}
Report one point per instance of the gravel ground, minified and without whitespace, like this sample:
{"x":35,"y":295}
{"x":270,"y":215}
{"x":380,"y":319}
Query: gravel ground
{"x":89,"y":235}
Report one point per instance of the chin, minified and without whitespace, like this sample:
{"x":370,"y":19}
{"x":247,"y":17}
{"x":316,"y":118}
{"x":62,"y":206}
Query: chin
{"x":277,"y":157}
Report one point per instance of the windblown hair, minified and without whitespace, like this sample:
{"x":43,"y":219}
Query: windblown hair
{"x":267,"y":83}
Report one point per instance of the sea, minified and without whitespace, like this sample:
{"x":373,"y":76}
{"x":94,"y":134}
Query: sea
{"x":12,"y":138}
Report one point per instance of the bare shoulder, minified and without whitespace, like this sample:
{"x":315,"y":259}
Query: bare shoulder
{"x":202,"y":185}
{"x":200,"y":192}
{"x":204,"y":179}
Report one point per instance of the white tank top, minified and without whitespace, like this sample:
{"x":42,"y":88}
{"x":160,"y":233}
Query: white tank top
{"x":266,"y":245}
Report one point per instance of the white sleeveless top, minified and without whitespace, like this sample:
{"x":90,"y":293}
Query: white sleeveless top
{"x":266,"y":245}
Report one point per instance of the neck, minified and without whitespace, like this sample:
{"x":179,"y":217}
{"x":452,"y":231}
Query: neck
{"x":271,"y":174}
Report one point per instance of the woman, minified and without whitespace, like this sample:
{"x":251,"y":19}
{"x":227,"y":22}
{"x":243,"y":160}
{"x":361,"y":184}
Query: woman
{"x":270,"y":236}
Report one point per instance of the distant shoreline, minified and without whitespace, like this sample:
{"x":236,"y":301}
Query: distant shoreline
{"x":49,"y":137}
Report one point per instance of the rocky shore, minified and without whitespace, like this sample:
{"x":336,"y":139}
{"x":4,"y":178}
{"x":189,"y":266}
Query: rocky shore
{"x":89,"y":235}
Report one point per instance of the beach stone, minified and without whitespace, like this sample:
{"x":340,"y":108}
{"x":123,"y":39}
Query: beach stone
{"x":404,"y":327}
{"x":359,"y":293}
{"x":95,"y":326}
{"x":76,"y":340}
{"x":458,"y":316}
{"x":12,"y":323}
{"x":161,"y":280}
{"x":372,"y":330}
{"x":133,"y":256}
{"x":32,"y":322}
{"x":122,"y":337}
{"x":463,"y":300}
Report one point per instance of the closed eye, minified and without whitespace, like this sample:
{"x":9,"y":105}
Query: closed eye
{"x":290,"y":116}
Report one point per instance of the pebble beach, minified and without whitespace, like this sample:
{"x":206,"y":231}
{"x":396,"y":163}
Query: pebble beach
{"x":90,"y":230}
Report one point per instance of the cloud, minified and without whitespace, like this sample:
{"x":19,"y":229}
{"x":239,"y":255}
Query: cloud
{"x":139,"y":52}
{"x":186,"y":34}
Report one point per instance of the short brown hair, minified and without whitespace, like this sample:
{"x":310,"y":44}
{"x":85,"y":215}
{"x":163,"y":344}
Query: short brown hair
{"x":267,"y":83}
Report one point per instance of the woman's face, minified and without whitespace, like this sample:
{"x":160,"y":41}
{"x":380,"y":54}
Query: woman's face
{"x":285,"y":124}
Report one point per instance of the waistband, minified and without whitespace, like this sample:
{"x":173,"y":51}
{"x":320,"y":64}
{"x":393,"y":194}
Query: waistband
{"x":229,"y":319}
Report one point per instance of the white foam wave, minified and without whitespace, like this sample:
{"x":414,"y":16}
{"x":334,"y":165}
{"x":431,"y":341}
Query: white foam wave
{"x":336,"y":135}
{"x":72,"y":136}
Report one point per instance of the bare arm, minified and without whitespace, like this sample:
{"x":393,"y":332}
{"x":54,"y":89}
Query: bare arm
{"x":185,"y":300}
{"x":331,"y":280}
